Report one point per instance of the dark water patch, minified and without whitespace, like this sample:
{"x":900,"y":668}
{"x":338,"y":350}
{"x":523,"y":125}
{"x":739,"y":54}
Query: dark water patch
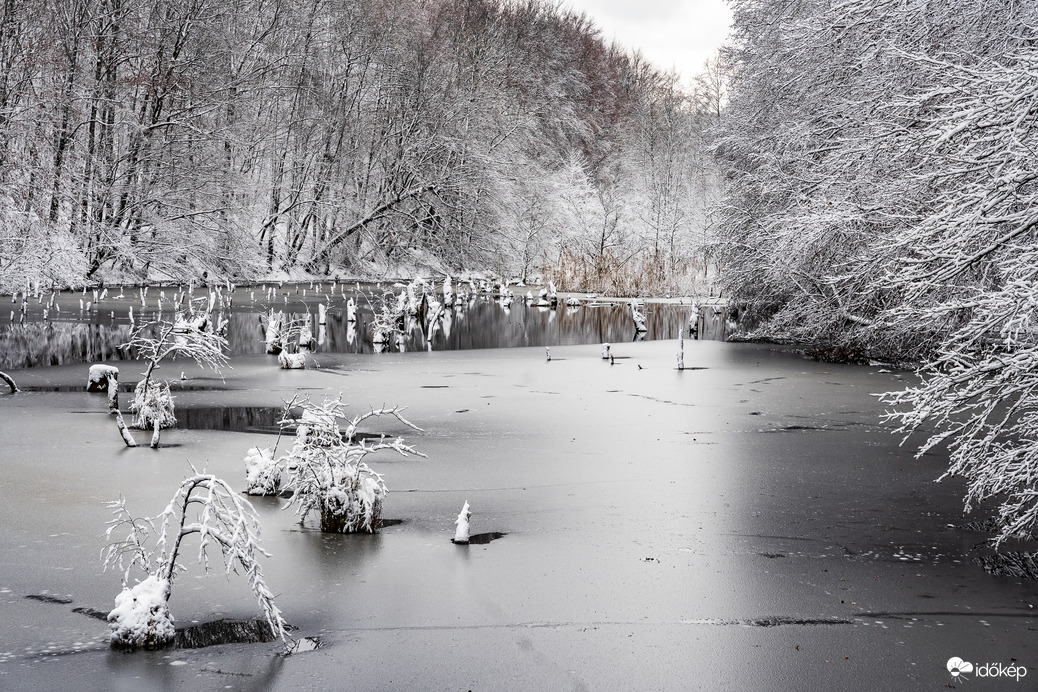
{"x":842,"y":354}
{"x":484,"y":538}
{"x":223,"y":632}
{"x":777,"y":621}
{"x":794,"y":428}
{"x":982,"y":525}
{"x":97,"y":335}
{"x":772,"y":556}
{"x":174,"y":385}
{"x":1016,"y":564}
{"x":46,"y":597}
{"x":258,"y":419}
{"x":92,"y":613}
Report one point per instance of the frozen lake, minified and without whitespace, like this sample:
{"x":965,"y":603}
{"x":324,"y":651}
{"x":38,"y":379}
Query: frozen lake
{"x":748,"y":524}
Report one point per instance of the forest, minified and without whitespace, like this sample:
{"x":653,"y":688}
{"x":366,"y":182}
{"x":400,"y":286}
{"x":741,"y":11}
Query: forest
{"x":880,"y":201}
{"x":145,"y":141}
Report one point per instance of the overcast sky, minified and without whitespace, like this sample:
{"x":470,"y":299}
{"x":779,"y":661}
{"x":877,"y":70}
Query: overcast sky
{"x":670,"y":33}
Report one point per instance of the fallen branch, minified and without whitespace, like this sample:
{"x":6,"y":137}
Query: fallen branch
{"x":10,"y":383}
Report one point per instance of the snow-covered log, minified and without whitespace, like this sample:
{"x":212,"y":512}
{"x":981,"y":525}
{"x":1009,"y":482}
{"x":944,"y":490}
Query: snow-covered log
{"x":123,"y":431}
{"x":9,"y":381}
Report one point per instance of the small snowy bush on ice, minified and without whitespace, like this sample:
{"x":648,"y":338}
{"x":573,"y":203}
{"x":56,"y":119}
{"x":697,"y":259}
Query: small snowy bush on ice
{"x":325,"y":468}
{"x":262,"y":472}
{"x":152,"y":404}
{"x":189,"y":335}
{"x":204,"y":506}
{"x":292,"y":361}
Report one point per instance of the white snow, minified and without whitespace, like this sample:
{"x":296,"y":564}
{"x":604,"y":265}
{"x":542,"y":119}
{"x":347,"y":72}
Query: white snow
{"x":97,"y":379}
{"x":141,"y":618}
{"x":262,"y":475}
{"x":461,"y":535}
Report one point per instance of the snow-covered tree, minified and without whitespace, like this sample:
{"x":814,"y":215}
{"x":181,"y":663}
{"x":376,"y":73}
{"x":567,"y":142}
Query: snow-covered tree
{"x":204,"y":506}
{"x":969,"y":272}
{"x":190,"y":335}
{"x":326,"y":471}
{"x":880,"y":195}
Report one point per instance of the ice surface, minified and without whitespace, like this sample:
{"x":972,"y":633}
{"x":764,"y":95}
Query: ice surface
{"x":666,"y":530}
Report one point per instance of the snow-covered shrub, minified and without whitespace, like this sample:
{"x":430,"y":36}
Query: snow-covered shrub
{"x":291,"y":361}
{"x":262,"y":472}
{"x":325,"y":468}
{"x":152,"y":404}
{"x":204,"y":506}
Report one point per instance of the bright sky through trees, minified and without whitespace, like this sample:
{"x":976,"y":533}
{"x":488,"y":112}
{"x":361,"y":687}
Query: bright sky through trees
{"x":670,"y":33}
